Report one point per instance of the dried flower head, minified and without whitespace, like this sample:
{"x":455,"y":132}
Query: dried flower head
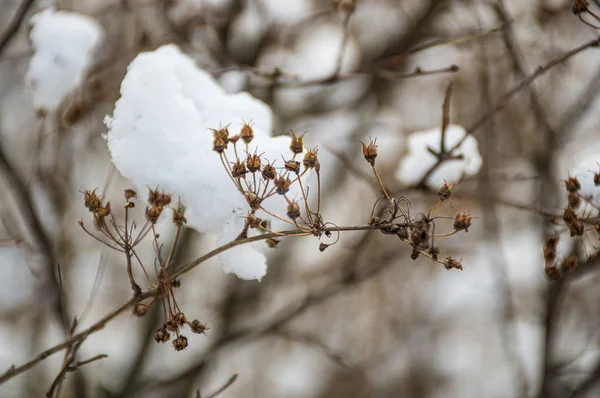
{"x":462,"y":221}
{"x":180,"y":343}
{"x":569,"y":214}
{"x":253,"y":163}
{"x":293,"y":166}
{"x":370,"y":151}
{"x":576,"y":228}
{"x":179,"y":319}
{"x":253,"y":200}
{"x":246,"y":133}
{"x":161,"y":335}
{"x":293,"y":210}
{"x":445,"y":191}
{"x":238,"y":169}
{"x":171,"y":326}
{"x":178,"y":217}
{"x":297,"y":144}
{"x":198,"y":327}
{"x":452,"y":263}
{"x":282,"y":184}
{"x":129,"y":194}
{"x":310,"y":159}
{"x":91,"y":200}
{"x":153,"y":213}
{"x":572,"y":184}
{"x":160,"y":199}
{"x":140,"y":309}
{"x":269,"y":172}
{"x":574,"y":199}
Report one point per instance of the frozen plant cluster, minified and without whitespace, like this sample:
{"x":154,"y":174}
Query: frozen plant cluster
{"x":64,"y":44}
{"x":160,"y":136}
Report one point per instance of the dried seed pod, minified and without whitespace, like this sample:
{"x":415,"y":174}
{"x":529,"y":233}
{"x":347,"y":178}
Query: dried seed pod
{"x":445,"y":191}
{"x":253,"y":200}
{"x":179,"y":319}
{"x":572,"y":184}
{"x":247,"y":133}
{"x":161,"y":335}
{"x":574,"y":199}
{"x":310,"y":159}
{"x":297,"y":144}
{"x":178,"y":217}
{"x":569,"y":214}
{"x":130,"y":193}
{"x":253,"y":163}
{"x":171,"y":326}
{"x":452,"y":263}
{"x":576,"y":228}
{"x":282,"y":184}
{"x":153,"y":213}
{"x":180,"y":343}
{"x":198,"y":327}
{"x":462,"y":221}
{"x":370,"y":151}
{"x":293,"y":166}
{"x":293,"y":210}
{"x":91,"y":200}
{"x":238,"y":170}
{"x":140,"y":309}
{"x":268,"y":172}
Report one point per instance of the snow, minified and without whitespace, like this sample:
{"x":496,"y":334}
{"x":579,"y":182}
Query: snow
{"x":419,"y":159}
{"x":159,"y":135}
{"x":64,"y":44}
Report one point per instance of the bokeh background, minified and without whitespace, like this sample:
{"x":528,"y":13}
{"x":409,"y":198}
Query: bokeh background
{"x":361,"y":319}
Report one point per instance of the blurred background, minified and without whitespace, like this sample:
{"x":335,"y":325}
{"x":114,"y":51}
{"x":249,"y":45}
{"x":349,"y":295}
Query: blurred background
{"x":361,"y":319}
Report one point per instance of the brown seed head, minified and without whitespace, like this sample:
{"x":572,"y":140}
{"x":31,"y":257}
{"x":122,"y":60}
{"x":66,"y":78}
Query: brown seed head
{"x":180,"y":343}
{"x":269,"y":172}
{"x":171,"y":326}
{"x":297,"y":144}
{"x":91,"y":200}
{"x":310,"y":159}
{"x":178,"y":217}
{"x":161,"y":335}
{"x":370,"y":151}
{"x":153,"y":213}
{"x":221,"y":133}
{"x":253,"y":163}
{"x":179,"y":319}
{"x":282,"y":184}
{"x":569,"y":214}
{"x":574,"y":199}
{"x":293,"y":166}
{"x":238,"y":169}
{"x":452,"y":263}
{"x":576,"y":228}
{"x":130,"y":193}
{"x":198,"y":327}
{"x":572,"y":184}
{"x":246,"y":133}
{"x":253,"y":221}
{"x":103,"y":211}
{"x":160,"y":199}
{"x":140,"y":309}
{"x":462,"y":221}
{"x":293,"y":210}
{"x":219,"y":145}
{"x":253,"y":200}
{"x":445,"y":191}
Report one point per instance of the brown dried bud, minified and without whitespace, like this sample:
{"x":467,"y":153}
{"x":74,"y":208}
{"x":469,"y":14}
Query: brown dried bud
{"x":434,"y":252}
{"x":553,"y":272}
{"x":176,"y":283}
{"x":574,"y":199}
{"x":160,"y":199}
{"x":91,"y":200}
{"x":178,"y":217}
{"x":272,"y":242}
{"x":269,"y":172}
{"x":222,"y":133}
{"x":253,"y":163}
{"x":576,"y":228}
{"x":253,"y":200}
{"x":297,"y":144}
{"x":310,"y":159}
{"x":253,"y":221}
{"x":171,"y":326}
{"x":445,"y":191}
{"x":569,"y":214}
{"x":293,"y":166}
{"x":238,"y":169}
{"x":153,"y":213}
{"x":180,"y":343}
{"x":370,"y":151}
{"x":462,"y":221}
{"x":198,"y":327}
{"x":293,"y":210}
{"x":179,"y":319}
{"x":129,"y":205}
{"x":130,"y":193}
{"x":452,"y":263}
{"x":219,"y":145}
{"x":323,"y":247}
{"x":415,"y":253}
{"x":572,"y":184}
{"x":246,"y":133}
{"x":235,"y":138}
{"x":161,"y":335}
{"x":569,"y":263}
{"x":140,"y":309}
{"x":282,"y":184}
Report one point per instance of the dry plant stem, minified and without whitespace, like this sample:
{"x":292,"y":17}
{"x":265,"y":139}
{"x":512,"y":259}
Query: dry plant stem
{"x":15,"y":23}
{"x":503,"y":101}
{"x":381,"y":184}
{"x":173,"y":246}
{"x":14,"y":371}
{"x":134,"y":286}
